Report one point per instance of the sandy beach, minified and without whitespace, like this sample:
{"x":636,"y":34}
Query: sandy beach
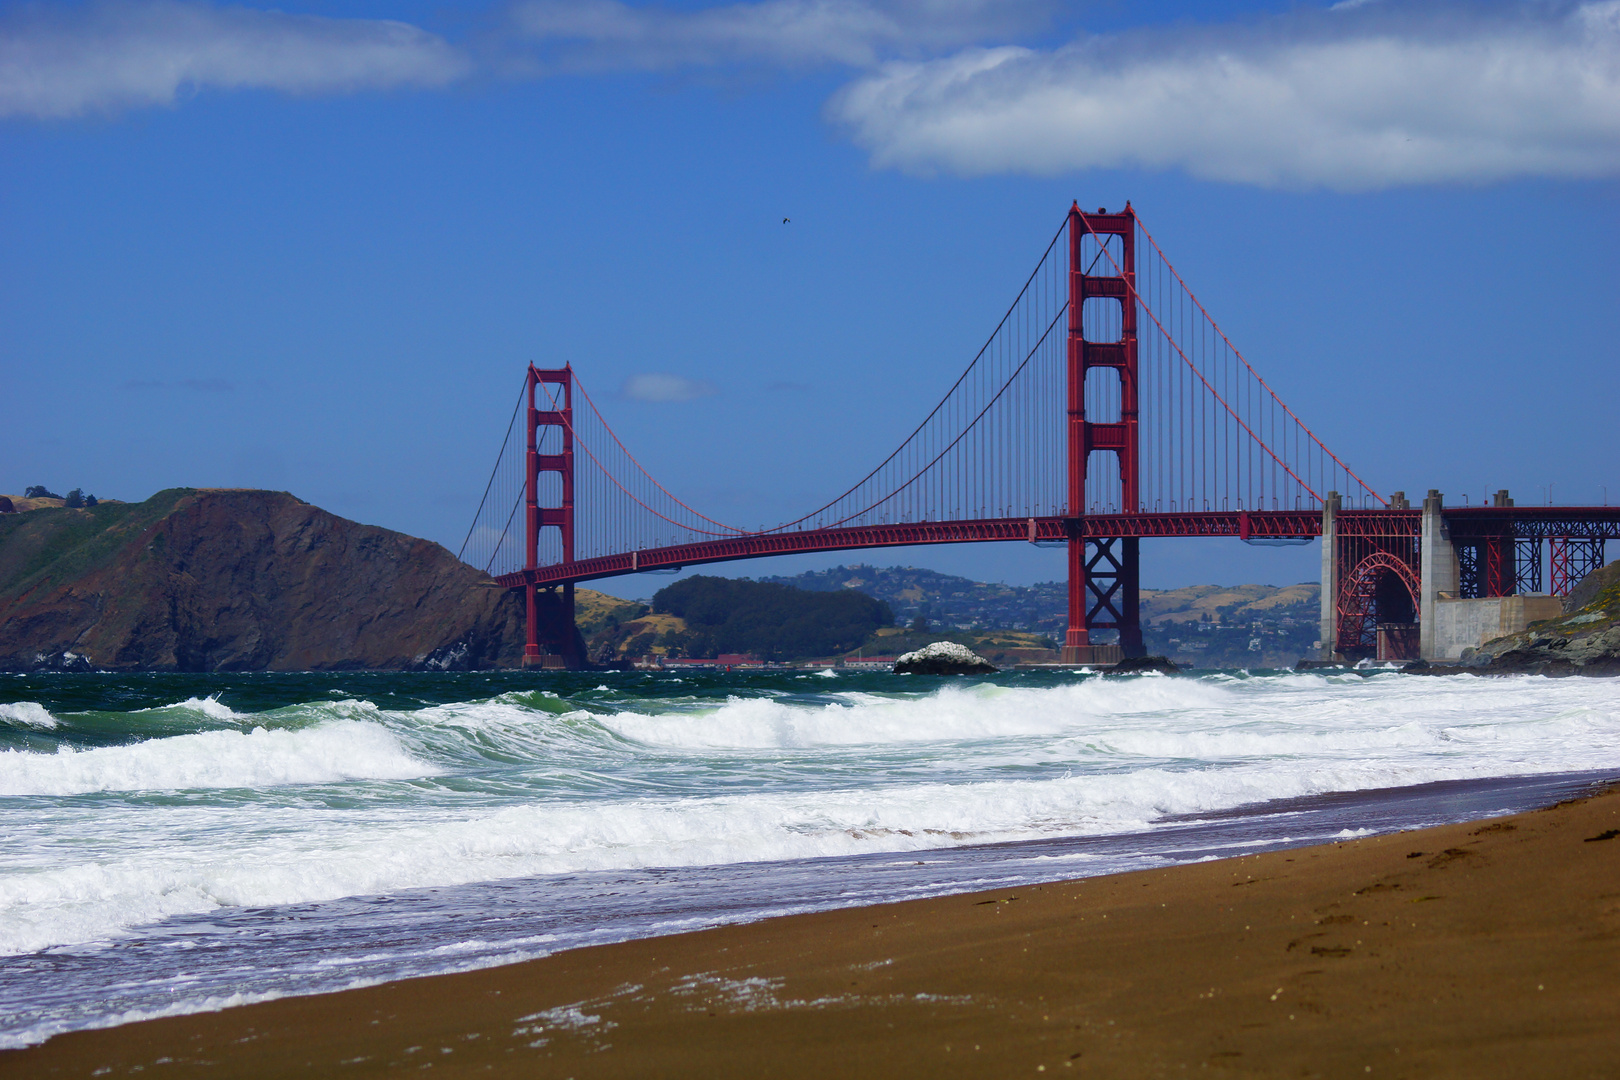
{"x":1483,"y":949}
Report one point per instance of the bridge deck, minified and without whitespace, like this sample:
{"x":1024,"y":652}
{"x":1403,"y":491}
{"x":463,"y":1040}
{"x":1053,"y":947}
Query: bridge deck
{"x":1269,"y":524}
{"x":1239,"y":524}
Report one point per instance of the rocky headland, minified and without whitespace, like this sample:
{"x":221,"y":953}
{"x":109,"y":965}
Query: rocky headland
{"x":197,"y":579}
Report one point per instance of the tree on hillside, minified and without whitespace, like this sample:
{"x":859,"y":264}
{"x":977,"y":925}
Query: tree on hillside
{"x":40,"y":491}
{"x":777,"y":622}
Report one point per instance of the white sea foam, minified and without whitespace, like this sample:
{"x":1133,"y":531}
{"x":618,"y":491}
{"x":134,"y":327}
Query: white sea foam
{"x":230,"y":858}
{"x":16,"y":1038}
{"x":1151,"y":717}
{"x":209,"y":706}
{"x":261,"y":758}
{"x":151,"y":863}
{"x":743,"y":780}
{"x":27,"y":714}
{"x":975,"y":712}
{"x":505,"y":727}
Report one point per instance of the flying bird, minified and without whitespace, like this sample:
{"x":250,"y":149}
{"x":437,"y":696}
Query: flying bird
{"x":786,"y":220}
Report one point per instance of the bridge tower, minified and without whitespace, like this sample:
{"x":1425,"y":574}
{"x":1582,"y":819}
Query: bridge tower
{"x":549,"y":618}
{"x":1104,"y":572}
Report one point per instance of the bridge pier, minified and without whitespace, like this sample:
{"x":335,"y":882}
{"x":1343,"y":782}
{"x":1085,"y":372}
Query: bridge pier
{"x":1330,"y":578}
{"x":1105,"y":593}
{"x":1437,"y":574}
{"x":554,"y":641}
{"x":1077,"y":640}
{"x":1130,"y":611}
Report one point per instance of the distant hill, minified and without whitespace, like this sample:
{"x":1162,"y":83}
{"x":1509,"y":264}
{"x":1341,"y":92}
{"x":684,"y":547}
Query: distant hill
{"x":1201,"y":625}
{"x":1233,"y":626}
{"x":775,"y":622}
{"x":617,"y":630}
{"x":945,"y":601}
{"x":239,"y":580}
{"x":1229,"y":603}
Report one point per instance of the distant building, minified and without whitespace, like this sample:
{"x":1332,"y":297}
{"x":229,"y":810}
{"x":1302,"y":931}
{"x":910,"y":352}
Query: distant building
{"x":870,"y":663}
{"x":725,"y":661}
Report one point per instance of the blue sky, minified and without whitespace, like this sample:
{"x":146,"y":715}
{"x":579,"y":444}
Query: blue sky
{"x":312,"y":247}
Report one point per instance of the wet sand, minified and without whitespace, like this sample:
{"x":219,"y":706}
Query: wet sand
{"x":1489,"y":949}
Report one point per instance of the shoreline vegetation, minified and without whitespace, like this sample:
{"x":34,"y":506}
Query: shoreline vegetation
{"x":1484,"y":949}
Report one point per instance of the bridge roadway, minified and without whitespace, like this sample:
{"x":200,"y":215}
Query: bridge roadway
{"x":1259,"y":524}
{"x":1525,"y":521}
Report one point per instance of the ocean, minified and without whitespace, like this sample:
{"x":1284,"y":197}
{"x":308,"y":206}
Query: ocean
{"x":174,"y":843}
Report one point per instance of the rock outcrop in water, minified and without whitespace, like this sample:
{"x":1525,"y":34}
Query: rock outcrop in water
{"x":239,"y":580}
{"x":943,"y":658}
{"x":1138,"y":665}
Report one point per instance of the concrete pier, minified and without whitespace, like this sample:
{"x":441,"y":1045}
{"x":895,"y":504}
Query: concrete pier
{"x":1437,"y":561}
{"x":1330,"y":577}
{"x":1455,"y":626}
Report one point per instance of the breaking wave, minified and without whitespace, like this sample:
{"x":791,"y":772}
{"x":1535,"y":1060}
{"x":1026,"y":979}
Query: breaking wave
{"x":201,"y":805}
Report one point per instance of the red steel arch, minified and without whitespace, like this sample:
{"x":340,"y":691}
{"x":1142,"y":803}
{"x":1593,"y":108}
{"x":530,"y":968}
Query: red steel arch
{"x":1356,"y":601}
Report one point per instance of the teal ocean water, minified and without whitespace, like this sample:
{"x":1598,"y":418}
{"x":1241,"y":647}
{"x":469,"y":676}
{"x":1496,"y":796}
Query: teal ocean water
{"x":176,"y":842}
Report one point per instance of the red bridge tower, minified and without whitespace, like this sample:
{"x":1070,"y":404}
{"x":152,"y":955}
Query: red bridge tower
{"x":550,"y":615}
{"x":1104,"y":573}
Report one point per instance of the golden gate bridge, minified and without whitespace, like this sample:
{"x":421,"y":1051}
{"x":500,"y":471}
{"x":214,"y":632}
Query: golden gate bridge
{"x":1106,"y":407}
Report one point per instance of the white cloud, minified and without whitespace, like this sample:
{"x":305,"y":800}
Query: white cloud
{"x":611,"y":34}
{"x":659,"y":386}
{"x":1364,"y":97}
{"x":114,"y":55}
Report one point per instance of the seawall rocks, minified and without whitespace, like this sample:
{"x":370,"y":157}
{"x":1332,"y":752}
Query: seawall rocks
{"x":1584,"y":641}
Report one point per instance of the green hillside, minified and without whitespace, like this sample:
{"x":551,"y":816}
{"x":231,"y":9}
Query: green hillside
{"x":772,"y":621}
{"x":48,"y":546}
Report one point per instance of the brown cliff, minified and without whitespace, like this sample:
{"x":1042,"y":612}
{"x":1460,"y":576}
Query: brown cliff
{"x":240,"y":580}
